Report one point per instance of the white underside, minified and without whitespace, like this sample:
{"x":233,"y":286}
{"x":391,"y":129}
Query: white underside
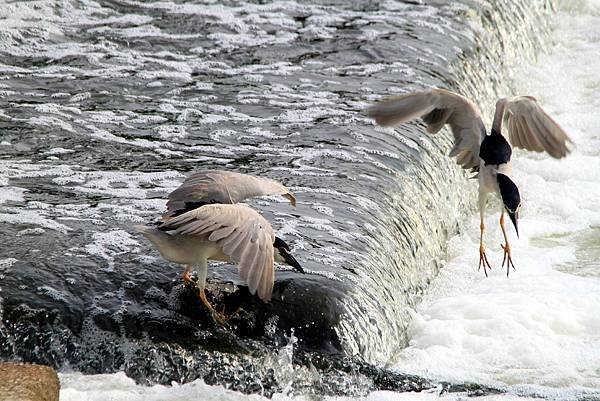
{"x":193,"y":252}
{"x":488,"y":184}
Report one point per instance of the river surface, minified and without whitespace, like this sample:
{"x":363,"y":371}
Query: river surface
{"x":82,"y":162}
{"x":107,"y":106}
{"x":537,"y":332}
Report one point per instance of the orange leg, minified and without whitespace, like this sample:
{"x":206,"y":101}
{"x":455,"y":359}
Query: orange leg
{"x":186,"y":277}
{"x":506,"y":248}
{"x":217,"y":317}
{"x":483,"y":260}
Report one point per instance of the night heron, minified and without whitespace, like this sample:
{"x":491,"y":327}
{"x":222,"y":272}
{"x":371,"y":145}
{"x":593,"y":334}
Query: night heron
{"x":528,"y":126}
{"x":205,"y":221}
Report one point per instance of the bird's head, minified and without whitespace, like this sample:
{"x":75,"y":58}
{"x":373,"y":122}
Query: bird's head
{"x":283,"y":255}
{"x":510,"y":198}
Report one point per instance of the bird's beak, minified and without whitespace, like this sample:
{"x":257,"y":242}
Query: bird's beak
{"x":514,"y":216}
{"x":290,"y":260}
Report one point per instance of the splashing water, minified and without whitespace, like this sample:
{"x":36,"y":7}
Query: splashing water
{"x":539,"y":330}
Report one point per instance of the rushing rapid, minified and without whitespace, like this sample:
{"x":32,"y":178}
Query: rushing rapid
{"x":537,"y":332}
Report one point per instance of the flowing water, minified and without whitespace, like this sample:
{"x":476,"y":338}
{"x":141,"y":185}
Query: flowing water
{"x":538,"y":331}
{"x":106,"y":105}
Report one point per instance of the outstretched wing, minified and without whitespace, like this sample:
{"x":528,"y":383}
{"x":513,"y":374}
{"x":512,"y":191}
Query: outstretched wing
{"x":529,"y":127}
{"x":438,"y":107}
{"x":243,"y":234}
{"x":216,"y":186}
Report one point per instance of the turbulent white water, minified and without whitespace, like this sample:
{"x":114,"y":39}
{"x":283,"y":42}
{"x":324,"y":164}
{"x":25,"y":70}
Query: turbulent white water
{"x":118,"y":387}
{"x":537,"y":332}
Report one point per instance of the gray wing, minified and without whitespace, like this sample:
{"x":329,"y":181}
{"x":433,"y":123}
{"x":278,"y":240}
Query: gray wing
{"x":438,"y":107}
{"x":216,"y":186}
{"x":243,"y":234}
{"x":529,"y":127}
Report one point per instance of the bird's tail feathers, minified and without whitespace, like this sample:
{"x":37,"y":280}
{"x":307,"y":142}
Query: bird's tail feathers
{"x":143,"y":229}
{"x":156,"y":236}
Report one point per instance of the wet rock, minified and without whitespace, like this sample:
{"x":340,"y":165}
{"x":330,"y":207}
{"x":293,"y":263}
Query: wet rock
{"x":94,"y":342}
{"x":27,"y":382}
{"x":272,"y":363}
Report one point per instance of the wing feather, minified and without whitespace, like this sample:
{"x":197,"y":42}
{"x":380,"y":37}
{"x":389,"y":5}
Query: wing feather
{"x":533,"y":142}
{"x":265,"y":289}
{"x":253,"y":263}
{"x":198,"y":227}
{"x":237,"y":244}
{"x":243,"y":235}
{"x":437,"y":107}
{"x":255,"y":272}
{"x":223,"y":187}
{"x":557,"y":137}
{"x":401,"y":109}
{"x":262,"y":258}
{"x":531,"y":128}
{"x":523,"y":128}
{"x":221,"y":233}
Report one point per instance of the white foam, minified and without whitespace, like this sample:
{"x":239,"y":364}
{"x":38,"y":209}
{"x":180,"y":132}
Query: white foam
{"x":31,"y":231}
{"x":52,"y":293}
{"x":217,"y":135}
{"x":126,"y":194}
{"x":58,"y":151}
{"x":169,"y":132}
{"x":117,"y":386}
{"x":326,"y":210}
{"x":539,"y":330}
{"x":31,"y":217}
{"x":53,"y":108}
{"x":109,"y":244}
{"x":76,"y":387}
{"x":434,"y":396}
{"x":174,"y":75}
{"x":12,"y":194}
{"x":7,"y":263}
{"x":117,"y":184}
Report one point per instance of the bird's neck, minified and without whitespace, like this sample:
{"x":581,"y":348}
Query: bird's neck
{"x":505,"y":169}
{"x":495,"y":132}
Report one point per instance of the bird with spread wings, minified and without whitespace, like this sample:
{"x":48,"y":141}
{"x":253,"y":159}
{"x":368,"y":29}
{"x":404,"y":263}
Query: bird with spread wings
{"x":518,"y":122}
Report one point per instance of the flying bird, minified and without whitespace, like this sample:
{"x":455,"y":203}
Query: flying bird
{"x":518,"y":122}
{"x":204,"y":221}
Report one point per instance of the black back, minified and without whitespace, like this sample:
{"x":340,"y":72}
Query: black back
{"x":495,"y":149}
{"x":186,"y":208}
{"x":191,"y":206}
